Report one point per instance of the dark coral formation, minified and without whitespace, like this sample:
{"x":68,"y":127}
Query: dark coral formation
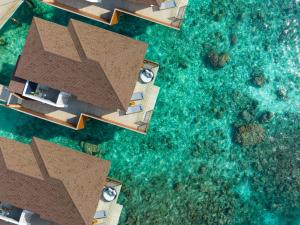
{"x":250,"y":134}
{"x":2,"y":42}
{"x":218,"y":60}
{"x":233,"y":39}
{"x":90,"y":148}
{"x":276,"y":181}
{"x":218,"y":15}
{"x":266,"y":117}
{"x":258,"y":78}
{"x":282,"y":93}
{"x":246,"y":115}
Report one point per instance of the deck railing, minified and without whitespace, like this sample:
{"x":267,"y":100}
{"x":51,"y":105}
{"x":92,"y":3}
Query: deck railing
{"x":143,"y":125}
{"x":178,"y":19}
{"x":149,"y":64}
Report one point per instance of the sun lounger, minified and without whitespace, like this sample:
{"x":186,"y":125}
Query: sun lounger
{"x":167,"y":5}
{"x":4,"y":93}
{"x":134,"y":109}
{"x":137,"y":96}
{"x":100,"y":214}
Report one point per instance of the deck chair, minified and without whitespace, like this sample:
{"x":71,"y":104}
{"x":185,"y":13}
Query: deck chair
{"x":134,"y":109}
{"x":100,"y":214}
{"x":167,"y":5}
{"x":137,"y":96}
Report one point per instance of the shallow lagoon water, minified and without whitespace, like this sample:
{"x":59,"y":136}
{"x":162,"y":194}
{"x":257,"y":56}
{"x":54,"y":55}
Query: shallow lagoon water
{"x":189,"y":169}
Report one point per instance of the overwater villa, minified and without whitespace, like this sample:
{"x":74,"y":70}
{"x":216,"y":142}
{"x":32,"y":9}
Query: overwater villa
{"x":165,"y":12}
{"x":67,"y":75}
{"x":46,"y":184}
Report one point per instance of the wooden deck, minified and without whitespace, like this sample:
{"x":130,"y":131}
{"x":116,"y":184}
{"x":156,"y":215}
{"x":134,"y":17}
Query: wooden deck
{"x":7,"y":9}
{"x":113,"y":209}
{"x":108,"y":11}
{"x":75,"y":115}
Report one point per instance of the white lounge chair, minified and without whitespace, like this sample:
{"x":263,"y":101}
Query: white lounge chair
{"x":167,"y":5}
{"x":137,"y":96}
{"x":134,"y":109}
{"x":100,"y":214}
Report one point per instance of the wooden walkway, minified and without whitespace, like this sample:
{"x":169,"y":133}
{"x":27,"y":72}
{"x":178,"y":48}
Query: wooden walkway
{"x":7,"y":9}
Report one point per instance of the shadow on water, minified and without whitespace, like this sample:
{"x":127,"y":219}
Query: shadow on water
{"x":128,"y":25}
{"x":95,"y":132}
{"x":22,"y":16}
{"x":6,"y":73}
{"x":137,"y":26}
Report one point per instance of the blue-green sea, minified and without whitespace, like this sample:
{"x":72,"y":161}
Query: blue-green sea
{"x":224,"y":143}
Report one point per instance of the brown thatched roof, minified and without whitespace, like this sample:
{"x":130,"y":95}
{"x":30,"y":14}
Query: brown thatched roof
{"x":97,"y":66}
{"x":59,"y":184}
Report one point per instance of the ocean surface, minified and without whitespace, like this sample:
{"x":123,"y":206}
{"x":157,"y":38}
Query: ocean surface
{"x":224,"y":141}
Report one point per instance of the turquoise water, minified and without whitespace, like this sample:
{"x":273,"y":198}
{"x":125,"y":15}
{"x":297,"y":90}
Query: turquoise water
{"x":190,"y":169}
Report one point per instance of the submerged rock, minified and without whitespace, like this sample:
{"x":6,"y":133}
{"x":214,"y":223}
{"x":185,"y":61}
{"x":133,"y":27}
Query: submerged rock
{"x":258,"y":78}
{"x":2,"y":42}
{"x":250,"y":134}
{"x":89,"y":148}
{"x":178,"y":186}
{"x":183,"y":65}
{"x":266,"y":117}
{"x":202,"y":169}
{"x":282,"y":93}
{"x":196,"y":150}
{"x":240,"y":16}
{"x":219,"y":36}
{"x":219,"y":15}
{"x":246,"y":115}
{"x":233,"y":39}
{"x":220,"y":115}
{"x":218,"y":60}
{"x":267,"y":46}
{"x":258,"y":15}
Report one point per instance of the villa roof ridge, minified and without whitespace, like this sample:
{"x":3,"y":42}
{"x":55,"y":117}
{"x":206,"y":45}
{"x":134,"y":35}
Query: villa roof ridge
{"x":39,"y":159}
{"x":121,"y":105}
{"x":82,"y":54}
{"x":71,"y":175}
{"x":112,"y":52}
{"x":76,"y":40}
